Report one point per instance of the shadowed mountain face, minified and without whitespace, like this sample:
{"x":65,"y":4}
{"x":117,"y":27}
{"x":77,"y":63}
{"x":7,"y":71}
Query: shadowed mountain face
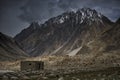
{"x":9,"y":49}
{"x":70,"y":33}
{"x":26,"y":32}
{"x":112,"y":37}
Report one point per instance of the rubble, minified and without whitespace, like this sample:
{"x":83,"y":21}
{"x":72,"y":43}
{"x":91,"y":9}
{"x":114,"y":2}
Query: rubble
{"x":106,"y":74}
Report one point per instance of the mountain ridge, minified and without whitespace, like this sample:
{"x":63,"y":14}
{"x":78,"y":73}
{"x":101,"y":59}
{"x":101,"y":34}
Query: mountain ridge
{"x":67,"y":33}
{"x":10,"y":49}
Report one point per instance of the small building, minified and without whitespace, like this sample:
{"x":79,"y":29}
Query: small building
{"x":32,"y":65}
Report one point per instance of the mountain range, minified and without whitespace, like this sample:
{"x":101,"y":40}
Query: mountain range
{"x":84,"y":31}
{"x":72,"y":33}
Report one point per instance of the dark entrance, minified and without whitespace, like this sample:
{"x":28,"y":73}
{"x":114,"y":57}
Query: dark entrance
{"x":32,"y":65}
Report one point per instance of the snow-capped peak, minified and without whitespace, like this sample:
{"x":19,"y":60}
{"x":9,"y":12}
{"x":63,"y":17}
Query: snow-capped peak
{"x":89,"y":15}
{"x":80,"y":16}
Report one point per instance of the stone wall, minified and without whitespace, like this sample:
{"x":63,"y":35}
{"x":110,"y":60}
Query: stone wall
{"x":32,"y":65}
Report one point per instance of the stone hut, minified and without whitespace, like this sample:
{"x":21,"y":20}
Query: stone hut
{"x":32,"y":65}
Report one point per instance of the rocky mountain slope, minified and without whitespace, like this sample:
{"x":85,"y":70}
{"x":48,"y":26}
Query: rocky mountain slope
{"x":112,"y":37}
{"x":9,"y":49}
{"x":71,"y":33}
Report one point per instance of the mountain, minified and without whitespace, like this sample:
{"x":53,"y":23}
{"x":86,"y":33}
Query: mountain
{"x":26,"y":32}
{"x":106,"y":42}
{"x":71,"y":33}
{"x":112,"y":37}
{"x":9,"y":49}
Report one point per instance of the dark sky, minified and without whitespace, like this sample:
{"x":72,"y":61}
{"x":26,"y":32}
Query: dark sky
{"x":16,"y":15}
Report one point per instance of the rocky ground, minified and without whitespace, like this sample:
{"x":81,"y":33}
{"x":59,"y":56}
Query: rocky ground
{"x":104,"y":67}
{"x":112,"y":73}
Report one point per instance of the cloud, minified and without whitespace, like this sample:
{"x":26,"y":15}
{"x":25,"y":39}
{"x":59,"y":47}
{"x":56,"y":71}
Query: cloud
{"x":18,"y":13}
{"x":39,"y":10}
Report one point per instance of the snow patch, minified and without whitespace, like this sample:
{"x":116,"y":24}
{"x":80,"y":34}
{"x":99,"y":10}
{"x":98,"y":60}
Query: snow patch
{"x":74,"y":52}
{"x":99,"y":15}
{"x":55,"y":51}
{"x":74,"y":10}
{"x":66,"y":17}
{"x":61,"y":20}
